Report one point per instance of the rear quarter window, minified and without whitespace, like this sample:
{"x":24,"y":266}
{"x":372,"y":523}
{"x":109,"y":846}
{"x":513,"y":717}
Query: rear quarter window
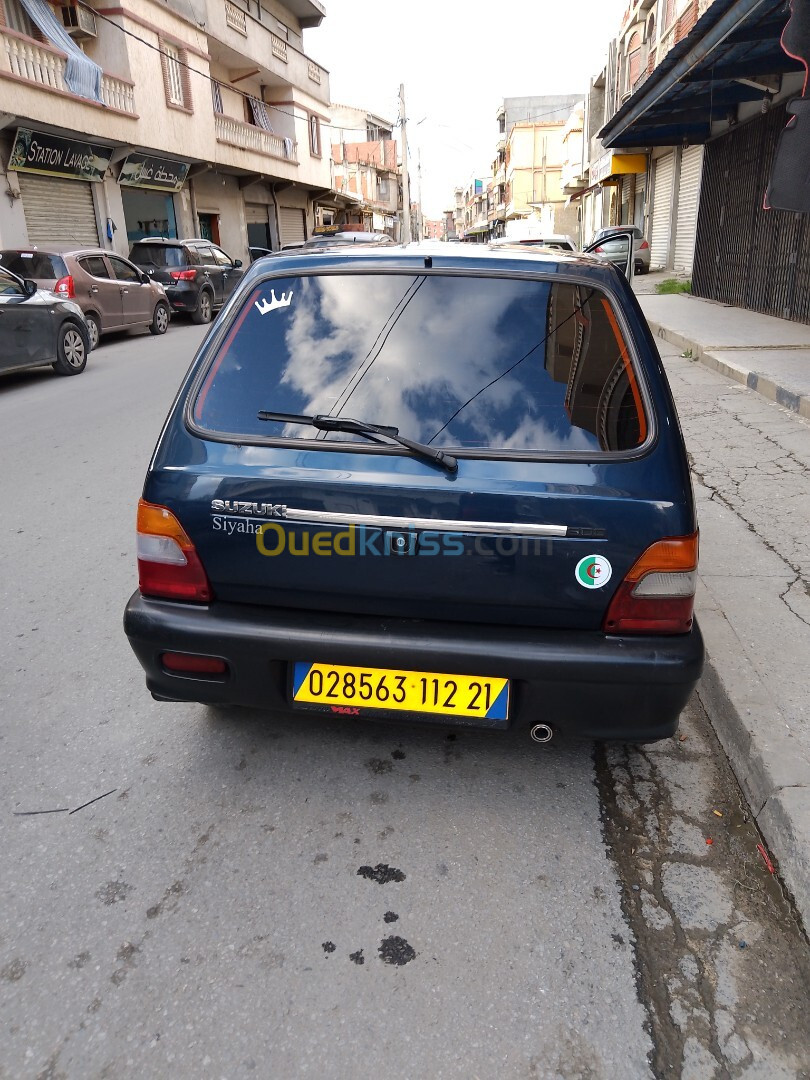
{"x":157,"y":255}
{"x":476,"y":364}
{"x":34,"y":264}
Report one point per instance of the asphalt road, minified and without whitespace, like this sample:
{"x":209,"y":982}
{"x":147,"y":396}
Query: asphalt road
{"x":557,"y":911}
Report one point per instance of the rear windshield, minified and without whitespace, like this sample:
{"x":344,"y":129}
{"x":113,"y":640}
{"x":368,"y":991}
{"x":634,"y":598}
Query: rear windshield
{"x":471,"y":363}
{"x":157,"y":255}
{"x":34,"y":264}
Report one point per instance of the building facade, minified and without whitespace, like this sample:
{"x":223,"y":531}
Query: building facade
{"x":527,"y":190}
{"x":178,"y":118}
{"x":706,"y":85}
{"x":365,"y":167}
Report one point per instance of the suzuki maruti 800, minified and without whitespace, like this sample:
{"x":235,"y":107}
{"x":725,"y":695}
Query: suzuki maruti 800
{"x":446,"y":488}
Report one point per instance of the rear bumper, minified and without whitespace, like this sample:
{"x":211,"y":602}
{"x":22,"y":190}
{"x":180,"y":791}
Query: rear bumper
{"x":583,"y":683}
{"x":184,"y":296}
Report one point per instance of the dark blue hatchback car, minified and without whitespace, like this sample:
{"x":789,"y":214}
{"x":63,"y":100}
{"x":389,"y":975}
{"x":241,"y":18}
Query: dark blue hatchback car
{"x":408,"y":485}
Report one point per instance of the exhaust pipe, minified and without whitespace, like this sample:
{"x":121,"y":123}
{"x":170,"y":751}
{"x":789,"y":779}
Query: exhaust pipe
{"x":542,"y":733}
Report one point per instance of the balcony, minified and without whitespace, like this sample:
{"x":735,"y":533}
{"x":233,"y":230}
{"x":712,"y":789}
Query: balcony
{"x":236,"y":18}
{"x":244,"y":44}
{"x":247,"y":137}
{"x":44,"y":66}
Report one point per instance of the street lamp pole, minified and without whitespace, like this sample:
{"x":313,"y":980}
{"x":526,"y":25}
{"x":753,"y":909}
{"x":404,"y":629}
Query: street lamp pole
{"x":405,"y":238}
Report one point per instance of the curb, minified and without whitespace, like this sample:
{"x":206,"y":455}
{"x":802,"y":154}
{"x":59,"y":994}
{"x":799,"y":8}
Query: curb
{"x":782,"y":814}
{"x":762,"y":384}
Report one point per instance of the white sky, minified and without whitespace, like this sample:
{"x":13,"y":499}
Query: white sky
{"x":458,"y":61}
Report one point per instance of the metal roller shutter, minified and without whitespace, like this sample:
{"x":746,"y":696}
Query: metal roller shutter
{"x":292,"y":224}
{"x":58,"y":211}
{"x":628,"y":192}
{"x":256,"y":213}
{"x":662,"y":208}
{"x":638,"y":213}
{"x":688,"y":196}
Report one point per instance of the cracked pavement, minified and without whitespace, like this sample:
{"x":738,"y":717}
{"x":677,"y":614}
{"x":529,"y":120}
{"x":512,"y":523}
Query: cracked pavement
{"x":723,"y":968}
{"x":751,"y":467}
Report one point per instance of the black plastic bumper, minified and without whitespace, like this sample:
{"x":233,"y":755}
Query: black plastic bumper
{"x":583,"y":683}
{"x":183,"y":298}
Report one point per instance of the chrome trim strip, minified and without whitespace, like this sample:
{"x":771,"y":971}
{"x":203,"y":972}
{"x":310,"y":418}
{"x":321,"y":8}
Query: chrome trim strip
{"x":378,"y":521}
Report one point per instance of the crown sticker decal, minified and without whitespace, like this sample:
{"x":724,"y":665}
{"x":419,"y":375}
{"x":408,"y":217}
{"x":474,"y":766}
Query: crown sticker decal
{"x":265,"y":308}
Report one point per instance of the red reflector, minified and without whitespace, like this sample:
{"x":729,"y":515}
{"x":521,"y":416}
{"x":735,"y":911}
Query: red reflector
{"x":64,"y":287}
{"x":643,"y":245}
{"x":198,"y":665}
{"x":183,"y":275}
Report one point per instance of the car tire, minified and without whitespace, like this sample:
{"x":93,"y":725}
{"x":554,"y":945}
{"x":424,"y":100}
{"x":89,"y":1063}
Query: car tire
{"x":93,"y":330}
{"x":72,"y":347}
{"x":205,"y":308}
{"x":160,"y":319}
{"x":642,"y":269}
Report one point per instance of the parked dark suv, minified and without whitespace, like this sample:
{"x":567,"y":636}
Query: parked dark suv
{"x":197,"y":275}
{"x":449,"y":488}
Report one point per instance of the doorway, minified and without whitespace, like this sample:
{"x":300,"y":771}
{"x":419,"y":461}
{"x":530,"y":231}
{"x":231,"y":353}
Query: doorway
{"x":209,"y":227}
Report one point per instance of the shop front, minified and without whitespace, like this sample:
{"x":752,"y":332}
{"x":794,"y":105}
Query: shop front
{"x":57,"y":177}
{"x":148,"y":187}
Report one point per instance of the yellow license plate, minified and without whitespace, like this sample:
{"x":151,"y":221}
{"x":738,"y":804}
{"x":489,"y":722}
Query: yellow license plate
{"x":353,"y":690}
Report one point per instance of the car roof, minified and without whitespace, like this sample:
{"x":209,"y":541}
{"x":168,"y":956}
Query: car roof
{"x":471,"y":257}
{"x":59,"y":249}
{"x":161,"y":240}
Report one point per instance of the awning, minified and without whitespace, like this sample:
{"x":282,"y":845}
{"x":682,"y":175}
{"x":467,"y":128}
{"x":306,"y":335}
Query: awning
{"x":610,"y":181}
{"x":477,"y":229}
{"x":611,"y":165}
{"x":82,"y":76}
{"x":732,"y":55}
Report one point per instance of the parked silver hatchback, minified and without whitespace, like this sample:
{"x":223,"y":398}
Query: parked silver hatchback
{"x":111,"y":291}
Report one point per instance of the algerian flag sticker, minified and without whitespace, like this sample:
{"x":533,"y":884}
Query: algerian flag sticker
{"x":593,"y":572}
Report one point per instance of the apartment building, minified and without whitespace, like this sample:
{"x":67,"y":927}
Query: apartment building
{"x":476,"y":199}
{"x":457,"y":213}
{"x":707,"y":84}
{"x":161,"y":118}
{"x":365,"y":164}
{"x":527,"y":192}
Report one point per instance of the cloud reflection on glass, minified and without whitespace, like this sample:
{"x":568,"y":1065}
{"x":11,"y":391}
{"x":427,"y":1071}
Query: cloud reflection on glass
{"x":456,"y":361}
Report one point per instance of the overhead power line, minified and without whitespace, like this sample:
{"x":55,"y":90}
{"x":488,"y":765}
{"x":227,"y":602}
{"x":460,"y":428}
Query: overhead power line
{"x":208,"y":78}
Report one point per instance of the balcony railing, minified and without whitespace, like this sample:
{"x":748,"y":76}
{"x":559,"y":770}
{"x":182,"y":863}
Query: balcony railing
{"x":44,"y":66}
{"x":236,"y":18}
{"x":279,"y":47}
{"x":247,"y":137}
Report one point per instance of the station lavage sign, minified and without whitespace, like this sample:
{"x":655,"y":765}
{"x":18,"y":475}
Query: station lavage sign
{"x":148,"y":172}
{"x":40,"y":152}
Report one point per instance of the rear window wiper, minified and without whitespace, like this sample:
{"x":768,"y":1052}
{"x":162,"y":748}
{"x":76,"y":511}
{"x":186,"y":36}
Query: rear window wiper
{"x":360,"y":427}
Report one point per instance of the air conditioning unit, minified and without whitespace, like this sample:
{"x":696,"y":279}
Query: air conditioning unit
{"x":79,"y":21}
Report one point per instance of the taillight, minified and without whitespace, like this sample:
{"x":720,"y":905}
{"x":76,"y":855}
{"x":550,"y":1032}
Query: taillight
{"x":657,"y":596}
{"x":168,"y":564}
{"x":183,"y":275}
{"x":643,"y":245}
{"x":598,"y":250}
{"x":64,"y":288}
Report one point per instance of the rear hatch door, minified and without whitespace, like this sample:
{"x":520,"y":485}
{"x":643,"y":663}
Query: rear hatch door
{"x":530,"y":383}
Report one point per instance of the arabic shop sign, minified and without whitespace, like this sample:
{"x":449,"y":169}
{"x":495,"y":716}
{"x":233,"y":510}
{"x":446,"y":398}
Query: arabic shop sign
{"x":162,"y":174}
{"x":40,"y":152}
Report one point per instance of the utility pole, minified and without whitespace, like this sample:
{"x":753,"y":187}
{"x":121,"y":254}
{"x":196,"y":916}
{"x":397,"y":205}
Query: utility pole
{"x":405,"y":238}
{"x":419,"y":216}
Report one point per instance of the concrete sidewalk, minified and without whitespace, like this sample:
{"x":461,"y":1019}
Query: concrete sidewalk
{"x":771,"y":356}
{"x":751,"y":468}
